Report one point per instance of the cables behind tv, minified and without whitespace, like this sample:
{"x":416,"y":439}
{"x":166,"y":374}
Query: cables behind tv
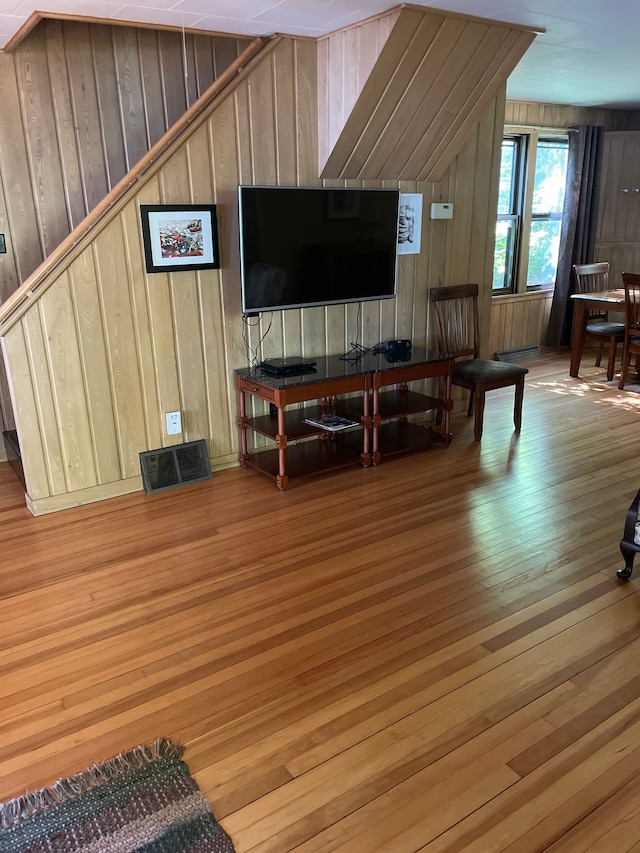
{"x":355,"y":354}
{"x":357,"y":351}
{"x":252,"y":351}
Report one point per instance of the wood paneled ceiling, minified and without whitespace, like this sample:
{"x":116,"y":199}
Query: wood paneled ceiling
{"x":435,"y":76}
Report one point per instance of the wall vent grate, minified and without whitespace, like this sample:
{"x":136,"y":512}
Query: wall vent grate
{"x":178,"y":465}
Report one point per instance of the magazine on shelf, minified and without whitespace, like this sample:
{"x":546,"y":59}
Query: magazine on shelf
{"x":331,"y":422}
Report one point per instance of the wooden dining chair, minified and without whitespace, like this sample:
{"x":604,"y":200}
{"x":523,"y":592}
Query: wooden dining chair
{"x":593,"y":278}
{"x":631,"y":344}
{"x":458,"y":333}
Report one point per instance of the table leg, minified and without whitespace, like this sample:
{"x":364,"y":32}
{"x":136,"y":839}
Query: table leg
{"x":448,"y":405}
{"x":375,"y":426}
{"x":580,"y":314}
{"x":365,"y":456}
{"x":242,"y":424}
{"x":281,"y":441}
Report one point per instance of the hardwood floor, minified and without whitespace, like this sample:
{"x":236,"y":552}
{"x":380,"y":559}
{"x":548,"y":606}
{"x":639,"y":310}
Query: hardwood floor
{"x":432,"y":655}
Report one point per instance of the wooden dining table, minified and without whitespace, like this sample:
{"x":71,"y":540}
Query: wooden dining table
{"x":605,"y":300}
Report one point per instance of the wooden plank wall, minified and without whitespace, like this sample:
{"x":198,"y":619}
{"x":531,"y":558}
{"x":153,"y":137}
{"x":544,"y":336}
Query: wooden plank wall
{"x":81,"y":103}
{"x":618,"y":231}
{"x":96,"y":361}
{"x":527,"y":114}
{"x":519,"y":320}
{"x":346,"y":59}
{"x":436,"y":75}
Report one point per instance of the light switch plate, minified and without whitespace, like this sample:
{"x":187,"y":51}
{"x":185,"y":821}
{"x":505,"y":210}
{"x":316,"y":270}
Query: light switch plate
{"x":174,"y":423}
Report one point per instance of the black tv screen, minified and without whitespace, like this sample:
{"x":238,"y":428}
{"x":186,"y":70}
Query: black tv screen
{"x":304,"y":246}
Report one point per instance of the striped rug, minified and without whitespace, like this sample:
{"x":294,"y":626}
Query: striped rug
{"x":144,"y":800}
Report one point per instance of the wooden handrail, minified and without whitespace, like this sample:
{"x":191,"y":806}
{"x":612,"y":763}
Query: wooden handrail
{"x":15,"y":306}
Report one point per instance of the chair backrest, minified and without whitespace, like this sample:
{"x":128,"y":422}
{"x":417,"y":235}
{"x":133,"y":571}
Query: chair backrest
{"x":591,"y":278}
{"x":457,"y":326}
{"x":631,"y":283}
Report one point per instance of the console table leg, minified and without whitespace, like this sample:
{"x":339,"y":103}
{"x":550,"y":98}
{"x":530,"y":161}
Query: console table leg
{"x":281,"y":481}
{"x":375,"y":426}
{"x":448,"y":405}
{"x":242,"y":424}
{"x":282,"y":443}
{"x":365,"y":456}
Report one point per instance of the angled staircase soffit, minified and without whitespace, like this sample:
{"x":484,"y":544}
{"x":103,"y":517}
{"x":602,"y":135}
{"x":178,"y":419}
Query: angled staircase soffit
{"x":434,"y":78}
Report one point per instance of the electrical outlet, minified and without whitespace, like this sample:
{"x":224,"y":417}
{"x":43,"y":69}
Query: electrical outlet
{"x":174,"y":424}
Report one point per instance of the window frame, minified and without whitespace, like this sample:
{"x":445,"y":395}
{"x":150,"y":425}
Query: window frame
{"x":516,"y":204}
{"x":524,"y":198}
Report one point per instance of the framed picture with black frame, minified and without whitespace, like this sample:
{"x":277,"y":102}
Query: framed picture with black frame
{"x":180,"y":237}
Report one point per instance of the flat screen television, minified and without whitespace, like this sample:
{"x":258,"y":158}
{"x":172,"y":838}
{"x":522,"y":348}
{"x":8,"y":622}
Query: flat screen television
{"x":304,"y":246}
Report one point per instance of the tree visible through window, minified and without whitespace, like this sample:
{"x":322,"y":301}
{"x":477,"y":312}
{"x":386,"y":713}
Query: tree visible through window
{"x":530,"y":201}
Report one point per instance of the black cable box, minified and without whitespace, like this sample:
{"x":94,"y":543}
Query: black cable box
{"x":291,"y":365}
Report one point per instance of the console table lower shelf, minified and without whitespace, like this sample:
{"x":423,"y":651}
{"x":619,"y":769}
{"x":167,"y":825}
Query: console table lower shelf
{"x":305,"y":458}
{"x":372,"y":394}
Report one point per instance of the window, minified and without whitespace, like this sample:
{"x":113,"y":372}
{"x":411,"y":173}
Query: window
{"x":509,"y":212}
{"x":533,"y":171}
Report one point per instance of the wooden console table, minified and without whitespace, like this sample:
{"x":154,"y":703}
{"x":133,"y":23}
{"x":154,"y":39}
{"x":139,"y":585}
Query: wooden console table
{"x":381,"y":416}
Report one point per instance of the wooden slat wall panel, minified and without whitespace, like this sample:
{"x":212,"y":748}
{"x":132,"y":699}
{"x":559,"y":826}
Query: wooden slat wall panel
{"x":90,"y":124}
{"x":428,"y":72}
{"x":44,"y":415}
{"x":134,"y":140}
{"x":24,"y":251}
{"x":40,"y":129}
{"x":223,"y":52}
{"x":154,"y":110}
{"x":165,"y":342}
{"x":142,"y":290}
{"x":619,"y":200}
{"x":126,"y":387}
{"x":622,"y":257}
{"x":173,"y":76}
{"x":72,"y":189}
{"x":153,"y":314}
{"x":434,"y":78}
{"x":338,"y":96}
{"x":7,"y":420}
{"x":21,"y":377}
{"x":81,"y":104}
{"x":618,"y":228}
{"x":528,"y":114}
{"x":469,"y":98}
{"x":95,"y":368}
{"x":401,"y":50}
{"x":519,"y":321}
{"x":113,"y":102}
{"x":73,"y":414}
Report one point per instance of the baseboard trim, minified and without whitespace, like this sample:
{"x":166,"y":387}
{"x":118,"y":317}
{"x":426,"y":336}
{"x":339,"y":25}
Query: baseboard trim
{"x":68,"y":500}
{"x":105,"y":491}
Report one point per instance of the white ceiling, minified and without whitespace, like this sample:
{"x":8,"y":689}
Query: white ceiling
{"x":588,"y":55}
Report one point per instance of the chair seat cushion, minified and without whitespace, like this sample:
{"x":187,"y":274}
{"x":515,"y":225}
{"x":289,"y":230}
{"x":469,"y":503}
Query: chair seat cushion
{"x":606,"y":328}
{"x":484,"y":370}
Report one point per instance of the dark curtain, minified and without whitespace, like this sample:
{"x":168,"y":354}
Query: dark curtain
{"x":578,"y":226}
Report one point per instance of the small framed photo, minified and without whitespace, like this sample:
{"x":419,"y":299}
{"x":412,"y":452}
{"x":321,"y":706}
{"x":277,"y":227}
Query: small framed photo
{"x":180,"y":237}
{"x":409,"y":223}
